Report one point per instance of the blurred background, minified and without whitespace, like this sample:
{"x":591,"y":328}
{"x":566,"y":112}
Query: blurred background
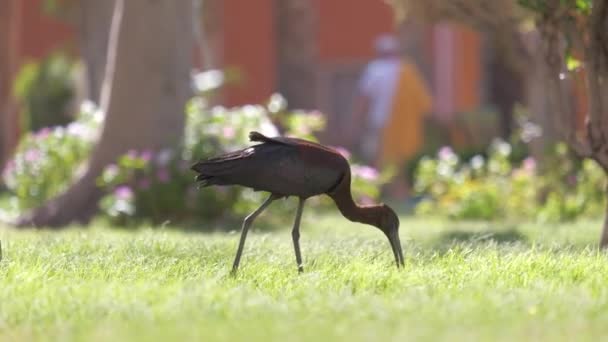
{"x":438,"y":116}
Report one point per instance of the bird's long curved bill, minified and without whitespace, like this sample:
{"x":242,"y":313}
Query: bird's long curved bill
{"x":393,"y":238}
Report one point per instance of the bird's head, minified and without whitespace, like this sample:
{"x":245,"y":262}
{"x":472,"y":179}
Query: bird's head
{"x":389,"y":224}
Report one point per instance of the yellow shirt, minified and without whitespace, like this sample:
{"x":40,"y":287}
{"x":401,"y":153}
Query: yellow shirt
{"x":403,"y":133}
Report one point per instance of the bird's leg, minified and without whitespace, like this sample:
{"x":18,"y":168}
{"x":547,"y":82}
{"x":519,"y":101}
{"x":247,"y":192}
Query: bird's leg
{"x":399,"y":250}
{"x":246,"y":224}
{"x":393,"y":239}
{"x":295,"y":235}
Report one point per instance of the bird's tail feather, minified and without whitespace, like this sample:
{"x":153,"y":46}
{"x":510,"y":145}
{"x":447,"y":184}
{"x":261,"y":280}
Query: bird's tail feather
{"x":259,"y":137}
{"x":204,"y":181}
{"x":210,"y":171}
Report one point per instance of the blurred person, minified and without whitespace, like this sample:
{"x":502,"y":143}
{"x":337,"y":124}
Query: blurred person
{"x":392,"y":101}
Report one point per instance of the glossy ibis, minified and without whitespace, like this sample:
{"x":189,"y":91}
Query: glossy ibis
{"x":294,"y":167}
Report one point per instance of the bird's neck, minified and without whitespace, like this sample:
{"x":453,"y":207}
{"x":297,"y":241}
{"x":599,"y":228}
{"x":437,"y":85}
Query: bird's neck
{"x":352,"y":211}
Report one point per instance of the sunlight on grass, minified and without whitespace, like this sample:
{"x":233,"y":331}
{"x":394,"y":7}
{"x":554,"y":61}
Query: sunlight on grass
{"x":461,"y":282}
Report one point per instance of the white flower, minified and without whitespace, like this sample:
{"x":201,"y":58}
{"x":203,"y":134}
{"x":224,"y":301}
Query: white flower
{"x":164,"y":157}
{"x":277,"y":103}
{"x":88,"y":106}
{"x":477,"y":162}
{"x":208,"y":80}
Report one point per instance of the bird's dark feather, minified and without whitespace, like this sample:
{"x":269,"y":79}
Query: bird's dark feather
{"x":259,"y":137}
{"x":282,"y":166}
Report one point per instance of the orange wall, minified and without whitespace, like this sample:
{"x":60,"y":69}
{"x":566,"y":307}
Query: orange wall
{"x":39,"y":33}
{"x":250,"y":45}
{"x":347,"y":28}
{"x":468,"y":69}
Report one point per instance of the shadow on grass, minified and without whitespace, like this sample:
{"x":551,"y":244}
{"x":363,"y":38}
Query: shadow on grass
{"x":507,"y":235}
{"x":233,"y":224}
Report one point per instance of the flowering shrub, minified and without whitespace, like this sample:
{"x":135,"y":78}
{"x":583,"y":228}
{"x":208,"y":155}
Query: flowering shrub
{"x":160,"y":186}
{"x":45,"y":161}
{"x":497,"y":188}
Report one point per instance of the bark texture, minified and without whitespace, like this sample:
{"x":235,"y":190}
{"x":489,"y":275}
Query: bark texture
{"x":94,"y":22}
{"x":297,"y":53}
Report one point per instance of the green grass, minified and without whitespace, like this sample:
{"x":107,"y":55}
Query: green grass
{"x":461,"y":282}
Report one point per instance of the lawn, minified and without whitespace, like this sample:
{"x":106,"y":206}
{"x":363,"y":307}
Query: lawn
{"x":466,"y":281}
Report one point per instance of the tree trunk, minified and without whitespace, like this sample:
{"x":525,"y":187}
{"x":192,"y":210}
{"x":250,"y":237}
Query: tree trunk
{"x":297,"y":52}
{"x":146,"y":85}
{"x":9,"y":124}
{"x":4,"y":76}
{"x":94,"y":31}
{"x":596,"y":63}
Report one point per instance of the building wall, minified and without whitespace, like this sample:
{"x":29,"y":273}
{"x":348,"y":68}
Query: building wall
{"x":250,"y":45}
{"x":38,"y":32}
{"x":347,"y":28}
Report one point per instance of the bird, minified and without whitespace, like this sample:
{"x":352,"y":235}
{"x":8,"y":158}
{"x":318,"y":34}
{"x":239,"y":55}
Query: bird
{"x":288,"y":166}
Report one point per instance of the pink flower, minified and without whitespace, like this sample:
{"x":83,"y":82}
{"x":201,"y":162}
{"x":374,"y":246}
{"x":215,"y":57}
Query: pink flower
{"x":80,"y":130}
{"x":110,"y":172}
{"x":344,"y":152}
{"x":228,"y":132}
{"x":112,"y":168}
{"x":163,"y":175}
{"x":445,"y":152}
{"x":32,"y":155}
{"x":316,"y":113}
{"x":529,"y":164}
{"x":365,"y":172}
{"x":9,"y":168}
{"x":123,"y":192}
{"x":132,"y":154}
{"x":146,"y":155}
{"x":43,"y":133}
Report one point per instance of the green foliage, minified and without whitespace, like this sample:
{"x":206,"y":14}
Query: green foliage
{"x":144,"y":185}
{"x":541,"y":6}
{"x":45,"y":161}
{"x":460,"y":283}
{"x":572,"y":63}
{"x":44,"y":89}
{"x":499,"y":188}
{"x":534,"y":5}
